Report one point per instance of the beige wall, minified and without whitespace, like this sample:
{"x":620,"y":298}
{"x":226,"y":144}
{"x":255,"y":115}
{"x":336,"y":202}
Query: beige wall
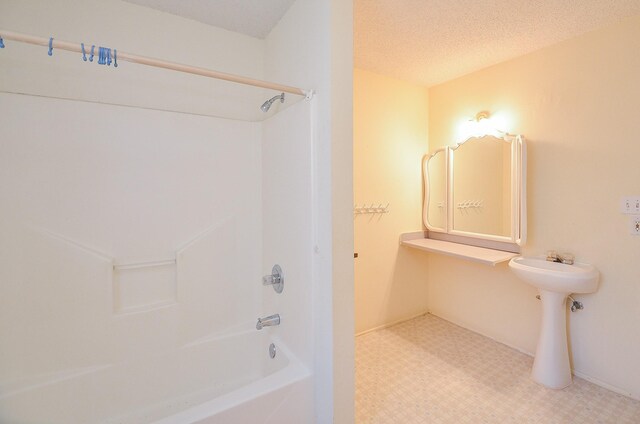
{"x":577,"y":104}
{"x":390,"y":137}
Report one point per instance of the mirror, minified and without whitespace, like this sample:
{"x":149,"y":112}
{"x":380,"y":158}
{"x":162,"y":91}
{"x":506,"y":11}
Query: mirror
{"x":476,"y":189}
{"x":482,"y":195}
{"x":436,"y":169}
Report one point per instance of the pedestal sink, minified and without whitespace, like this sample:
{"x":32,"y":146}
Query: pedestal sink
{"x":555,"y":281}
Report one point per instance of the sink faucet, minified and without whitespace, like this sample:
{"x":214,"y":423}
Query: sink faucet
{"x":565,"y":258}
{"x":269,"y":321}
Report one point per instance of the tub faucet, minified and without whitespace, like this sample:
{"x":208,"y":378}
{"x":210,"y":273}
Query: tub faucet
{"x":269,"y":321}
{"x":565,"y":258}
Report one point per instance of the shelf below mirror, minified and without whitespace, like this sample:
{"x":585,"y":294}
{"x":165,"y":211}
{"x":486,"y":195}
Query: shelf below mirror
{"x":472,"y":253}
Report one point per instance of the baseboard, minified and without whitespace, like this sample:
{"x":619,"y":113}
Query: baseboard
{"x":380,"y":327}
{"x":606,"y":385}
{"x":574,"y":372}
{"x":482,"y":333}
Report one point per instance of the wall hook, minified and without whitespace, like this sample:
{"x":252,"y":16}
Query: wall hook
{"x":370,"y":209}
{"x":50,"y":46}
{"x":84,"y":54}
{"x":93,"y":47}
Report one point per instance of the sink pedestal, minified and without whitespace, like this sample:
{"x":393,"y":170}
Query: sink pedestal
{"x":554,"y":281}
{"x":551,"y":366}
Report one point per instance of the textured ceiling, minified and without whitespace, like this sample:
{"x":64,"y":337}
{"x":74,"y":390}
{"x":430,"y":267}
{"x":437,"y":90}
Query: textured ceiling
{"x":255,"y":18}
{"x":432,"y":41}
{"x":426,"y":41}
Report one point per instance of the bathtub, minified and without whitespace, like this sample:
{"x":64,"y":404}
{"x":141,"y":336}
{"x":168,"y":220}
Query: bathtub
{"x":230,"y":379}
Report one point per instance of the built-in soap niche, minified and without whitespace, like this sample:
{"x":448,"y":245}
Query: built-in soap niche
{"x":139,"y":285}
{"x":136,"y":285}
{"x":144,"y":285}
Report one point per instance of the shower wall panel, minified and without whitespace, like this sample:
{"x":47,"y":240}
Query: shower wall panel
{"x":124,"y":233}
{"x":288,"y":223}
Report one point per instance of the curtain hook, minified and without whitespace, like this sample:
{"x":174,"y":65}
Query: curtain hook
{"x":93,"y":47}
{"x":1,"y":43}
{"x":50,"y":46}
{"x":108,"y":56}
{"x":84,"y":54}
{"x":115,"y":58}
{"x":101,"y":56}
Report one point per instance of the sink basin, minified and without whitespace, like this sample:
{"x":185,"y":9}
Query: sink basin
{"x":555,"y":282}
{"x":555,"y":276}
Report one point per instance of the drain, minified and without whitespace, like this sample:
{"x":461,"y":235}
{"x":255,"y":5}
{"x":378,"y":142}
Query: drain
{"x":272,"y":350}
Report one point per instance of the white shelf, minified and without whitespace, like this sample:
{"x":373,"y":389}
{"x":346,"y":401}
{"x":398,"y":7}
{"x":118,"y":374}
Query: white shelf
{"x":463,"y":251}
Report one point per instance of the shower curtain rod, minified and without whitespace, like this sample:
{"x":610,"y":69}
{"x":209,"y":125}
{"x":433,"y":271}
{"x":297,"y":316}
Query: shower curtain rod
{"x":142,"y":60}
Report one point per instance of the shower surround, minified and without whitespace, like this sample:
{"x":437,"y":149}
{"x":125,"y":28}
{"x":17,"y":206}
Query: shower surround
{"x":140,"y":210}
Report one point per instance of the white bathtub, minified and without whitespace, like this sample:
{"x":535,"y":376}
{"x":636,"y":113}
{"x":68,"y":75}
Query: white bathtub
{"x":226,"y":380}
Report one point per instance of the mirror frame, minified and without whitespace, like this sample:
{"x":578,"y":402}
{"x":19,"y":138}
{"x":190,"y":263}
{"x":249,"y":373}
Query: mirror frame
{"x":518,"y":192}
{"x":427,"y":191}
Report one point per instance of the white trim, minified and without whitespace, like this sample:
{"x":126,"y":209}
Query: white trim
{"x":606,"y":385}
{"x":578,"y":374}
{"x":391,"y":324}
{"x":427,"y":192}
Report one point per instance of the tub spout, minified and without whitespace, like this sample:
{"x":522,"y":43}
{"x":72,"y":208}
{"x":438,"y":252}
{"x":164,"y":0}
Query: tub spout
{"x":269,"y":321}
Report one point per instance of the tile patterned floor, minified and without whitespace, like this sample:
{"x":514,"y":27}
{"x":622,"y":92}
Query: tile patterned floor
{"x":430,"y":371}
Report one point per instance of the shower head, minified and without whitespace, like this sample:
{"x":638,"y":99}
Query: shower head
{"x":267,"y":105}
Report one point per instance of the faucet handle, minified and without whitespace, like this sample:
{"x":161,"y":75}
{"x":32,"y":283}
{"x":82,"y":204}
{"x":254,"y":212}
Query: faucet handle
{"x":567,"y":258}
{"x":268,"y":280}
{"x":276,"y":279}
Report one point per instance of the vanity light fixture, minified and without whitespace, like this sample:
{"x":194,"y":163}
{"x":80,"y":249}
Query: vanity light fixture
{"x":480,"y":125}
{"x":483,"y":124}
{"x":482,"y":115}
